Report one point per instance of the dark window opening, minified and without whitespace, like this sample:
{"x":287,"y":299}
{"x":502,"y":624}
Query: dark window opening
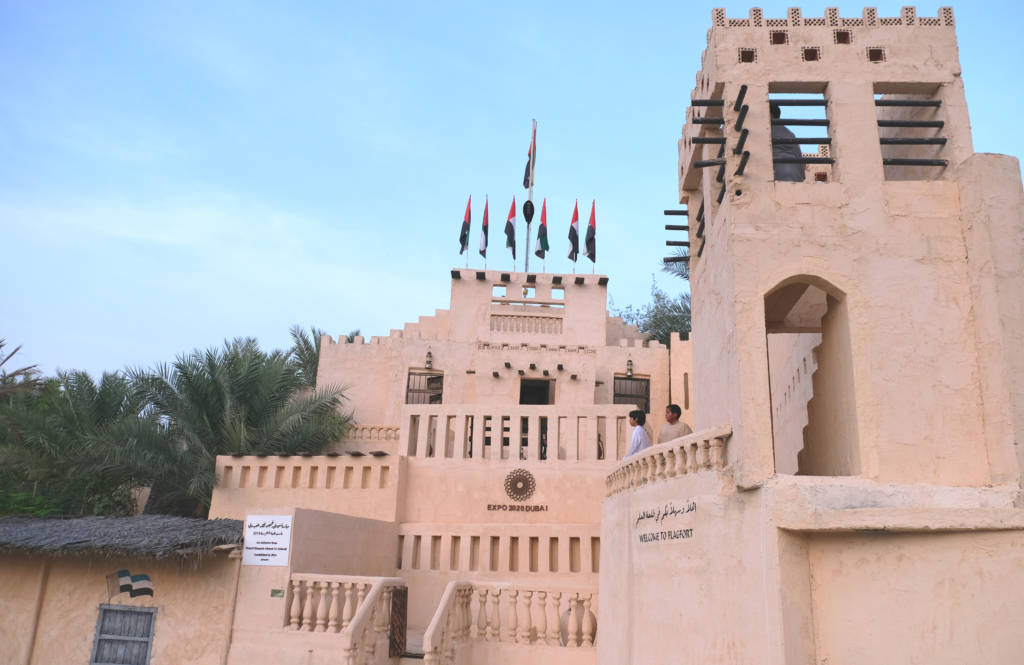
{"x":843,"y":37}
{"x":424,"y":387}
{"x":536,"y":391}
{"x":779,"y":37}
{"x":629,"y":390}
{"x":748,"y":55}
{"x":812,"y":54}
{"x":800,"y":128}
{"x":876,"y":54}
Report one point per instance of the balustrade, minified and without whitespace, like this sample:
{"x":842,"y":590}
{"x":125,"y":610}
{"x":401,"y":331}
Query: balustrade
{"x":542,"y":434}
{"x":358,"y":609}
{"x":693,"y":453}
{"x":509,"y":615}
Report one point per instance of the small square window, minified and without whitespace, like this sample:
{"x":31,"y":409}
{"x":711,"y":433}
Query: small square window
{"x":779,"y":37}
{"x":820,"y":176}
{"x":748,"y":55}
{"x":811,"y":54}
{"x":124,"y":634}
{"x":843,"y":36}
{"x":424,"y":387}
{"x":876,"y":54}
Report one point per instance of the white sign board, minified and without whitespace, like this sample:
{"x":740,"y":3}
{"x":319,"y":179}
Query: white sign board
{"x":267,"y":540}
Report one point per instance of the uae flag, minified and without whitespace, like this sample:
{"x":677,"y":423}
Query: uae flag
{"x":542,"y":232}
{"x":590,"y":246}
{"x":531,"y":160}
{"x":574,"y":233}
{"x":464,"y":234}
{"x":135,"y":585}
{"x":510,"y":229}
{"x":483,"y":232}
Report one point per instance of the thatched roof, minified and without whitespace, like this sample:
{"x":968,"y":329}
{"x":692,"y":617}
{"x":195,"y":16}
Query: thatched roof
{"x":152,"y":536}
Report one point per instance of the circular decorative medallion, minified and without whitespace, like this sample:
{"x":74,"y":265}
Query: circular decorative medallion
{"x":520,"y":484}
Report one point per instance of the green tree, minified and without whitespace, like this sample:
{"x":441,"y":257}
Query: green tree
{"x":13,"y":381}
{"x":56,"y":443}
{"x":238,"y":399}
{"x":660,"y":317}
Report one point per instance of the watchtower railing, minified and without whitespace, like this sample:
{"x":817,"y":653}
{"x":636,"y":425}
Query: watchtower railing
{"x":545,"y":434}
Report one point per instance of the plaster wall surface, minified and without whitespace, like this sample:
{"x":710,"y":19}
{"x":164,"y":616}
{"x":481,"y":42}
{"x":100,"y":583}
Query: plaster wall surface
{"x":193,"y":604}
{"x":893,"y":251}
{"x":955,"y":594}
{"x":551,"y":325}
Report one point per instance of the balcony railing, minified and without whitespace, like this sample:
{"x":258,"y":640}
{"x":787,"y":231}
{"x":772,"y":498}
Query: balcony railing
{"x":361,"y":610}
{"x":693,"y":453}
{"x":518,"y":433}
{"x":505,"y":614}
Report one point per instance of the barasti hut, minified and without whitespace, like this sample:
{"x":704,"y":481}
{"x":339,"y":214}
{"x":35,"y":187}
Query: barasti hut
{"x":855,"y":380}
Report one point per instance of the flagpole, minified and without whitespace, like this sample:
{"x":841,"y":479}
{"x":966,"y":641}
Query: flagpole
{"x":529,"y":195}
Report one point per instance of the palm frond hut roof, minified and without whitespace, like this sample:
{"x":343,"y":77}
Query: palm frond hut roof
{"x":151,"y":536}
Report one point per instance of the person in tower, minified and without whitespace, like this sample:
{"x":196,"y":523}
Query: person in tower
{"x":673,"y":427}
{"x":637,"y":419}
{"x":785,"y":172}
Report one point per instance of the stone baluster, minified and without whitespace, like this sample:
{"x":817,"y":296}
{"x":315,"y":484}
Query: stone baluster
{"x":555,"y":619}
{"x":308,"y":620}
{"x":481,"y":615}
{"x":332,"y":615}
{"x":670,"y":461}
{"x":542,"y":618}
{"x":349,"y":610}
{"x":645,"y":470}
{"x":363,"y":590}
{"x":295,"y":613}
{"x":448,"y":645}
{"x":321,"y":606}
{"x":705,"y":453}
{"x":526,"y":619}
{"x":459,"y":610}
{"x":467,"y":612}
{"x":692,"y":465}
{"x":382,"y":614}
{"x":662,"y":465}
{"x":718,"y":452}
{"x":573,"y":630}
{"x":494,"y":617}
{"x":369,"y":637}
{"x":589,"y":622}
{"x":513,"y":616}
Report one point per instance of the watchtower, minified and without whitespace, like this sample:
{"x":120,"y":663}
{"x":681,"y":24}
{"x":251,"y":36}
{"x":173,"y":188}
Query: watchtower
{"x":856,"y":268}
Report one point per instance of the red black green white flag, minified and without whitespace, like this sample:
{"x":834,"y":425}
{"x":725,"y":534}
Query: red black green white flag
{"x":135,"y":585}
{"x":531,"y":160}
{"x":464,"y":234}
{"x":542,"y":232}
{"x":483,"y":232}
{"x":510,"y":229}
{"x":590,"y":246}
{"x":574,"y":233}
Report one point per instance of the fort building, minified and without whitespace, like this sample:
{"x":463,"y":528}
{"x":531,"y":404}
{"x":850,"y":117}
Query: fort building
{"x":852,"y":491}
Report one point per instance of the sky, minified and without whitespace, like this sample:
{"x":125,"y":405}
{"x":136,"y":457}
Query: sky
{"x":176,"y":174}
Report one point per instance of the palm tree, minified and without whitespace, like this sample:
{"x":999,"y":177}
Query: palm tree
{"x":17,"y":380}
{"x":56,"y":443}
{"x":305,"y":353}
{"x":238,"y":399}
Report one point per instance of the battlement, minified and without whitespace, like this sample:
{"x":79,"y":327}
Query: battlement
{"x":868,"y":18}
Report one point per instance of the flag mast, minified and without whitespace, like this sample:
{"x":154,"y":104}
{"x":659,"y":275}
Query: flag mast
{"x":529,"y":195}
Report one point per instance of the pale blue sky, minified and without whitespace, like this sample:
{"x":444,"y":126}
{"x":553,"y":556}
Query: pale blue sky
{"x":172,"y":174}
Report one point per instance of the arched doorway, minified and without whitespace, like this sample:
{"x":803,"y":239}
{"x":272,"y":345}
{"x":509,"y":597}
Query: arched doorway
{"x":810,"y":369}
